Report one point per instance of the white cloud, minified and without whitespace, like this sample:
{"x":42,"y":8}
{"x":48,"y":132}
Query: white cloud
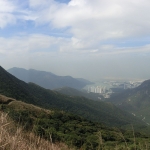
{"x":6,"y":6}
{"x":33,"y":43}
{"x":6,"y":10}
{"x":43,"y":44}
{"x":12,"y":11}
{"x":90,"y":22}
{"x":96,"y":20}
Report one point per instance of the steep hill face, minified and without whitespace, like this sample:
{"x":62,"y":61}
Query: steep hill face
{"x":13,"y":87}
{"x":92,"y":110}
{"x":48,"y":80}
{"x":135,"y":101}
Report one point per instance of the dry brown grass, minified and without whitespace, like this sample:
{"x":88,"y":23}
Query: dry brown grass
{"x":19,"y":105}
{"x":4,"y":99}
{"x":13,"y":138}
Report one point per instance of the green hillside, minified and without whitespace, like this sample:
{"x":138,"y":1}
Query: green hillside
{"x":136,"y":101}
{"x":76,"y":132}
{"x":91,"y":110}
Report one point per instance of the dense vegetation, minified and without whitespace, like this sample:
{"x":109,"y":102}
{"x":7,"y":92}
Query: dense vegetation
{"x":91,"y":110}
{"x":73,"y":130}
{"x":14,"y":137}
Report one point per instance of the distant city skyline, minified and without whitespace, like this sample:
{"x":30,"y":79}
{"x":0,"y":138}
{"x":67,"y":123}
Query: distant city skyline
{"x":81,"y":38}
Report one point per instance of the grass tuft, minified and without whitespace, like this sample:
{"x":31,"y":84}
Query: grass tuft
{"x":14,"y":138}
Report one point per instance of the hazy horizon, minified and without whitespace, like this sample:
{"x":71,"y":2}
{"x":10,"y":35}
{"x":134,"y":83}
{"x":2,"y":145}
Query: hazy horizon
{"x":93,"y":80}
{"x":81,"y":38}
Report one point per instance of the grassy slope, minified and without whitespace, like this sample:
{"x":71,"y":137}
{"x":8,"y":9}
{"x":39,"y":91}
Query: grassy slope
{"x":14,"y":137}
{"x":63,"y":127}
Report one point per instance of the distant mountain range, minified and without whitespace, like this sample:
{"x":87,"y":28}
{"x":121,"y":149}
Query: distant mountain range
{"x":92,"y":110}
{"x":136,"y":101}
{"x":48,"y":80}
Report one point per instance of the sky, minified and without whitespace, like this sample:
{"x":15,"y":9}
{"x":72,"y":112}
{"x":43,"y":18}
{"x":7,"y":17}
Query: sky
{"x":92,"y":39}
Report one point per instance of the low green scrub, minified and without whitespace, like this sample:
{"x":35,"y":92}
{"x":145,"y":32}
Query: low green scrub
{"x":73,"y":130}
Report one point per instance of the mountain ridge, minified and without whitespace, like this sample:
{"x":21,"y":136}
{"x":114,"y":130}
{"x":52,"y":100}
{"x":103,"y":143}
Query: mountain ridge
{"x":48,"y":80}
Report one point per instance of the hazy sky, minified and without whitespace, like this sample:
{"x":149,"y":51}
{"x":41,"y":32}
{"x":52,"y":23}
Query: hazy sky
{"x":82,"y":38}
